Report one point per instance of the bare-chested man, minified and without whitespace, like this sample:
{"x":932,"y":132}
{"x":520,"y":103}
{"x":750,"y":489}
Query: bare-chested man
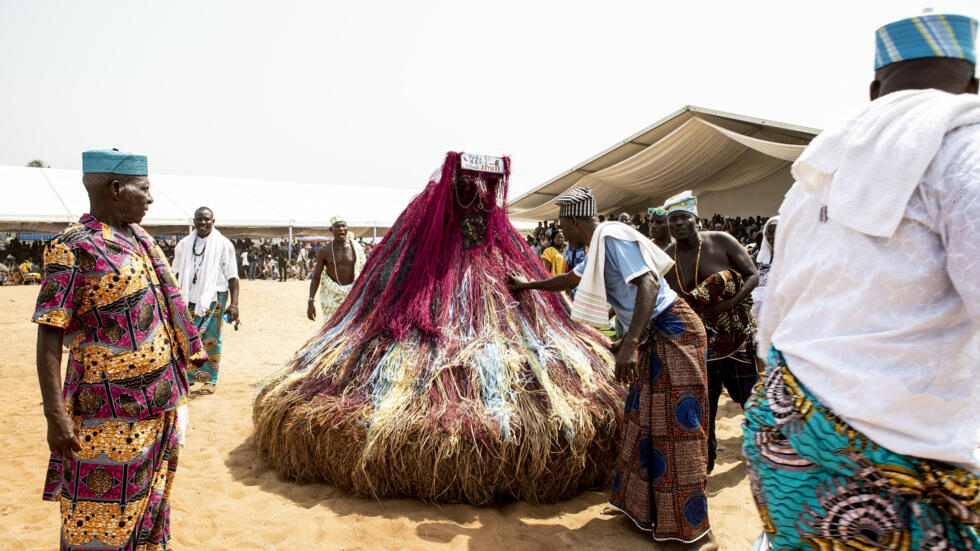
{"x":715,"y":275}
{"x":342,"y":260}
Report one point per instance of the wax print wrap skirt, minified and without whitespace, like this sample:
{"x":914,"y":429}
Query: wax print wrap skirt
{"x":209,"y":327}
{"x":115,"y":491}
{"x":661,"y":480}
{"x":820,"y":484}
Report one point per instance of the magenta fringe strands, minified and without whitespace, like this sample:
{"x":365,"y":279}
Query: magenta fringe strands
{"x":433,"y":380}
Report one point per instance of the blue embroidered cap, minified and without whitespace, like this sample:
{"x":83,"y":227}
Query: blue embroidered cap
{"x":113,"y":162}
{"x":929,"y":35}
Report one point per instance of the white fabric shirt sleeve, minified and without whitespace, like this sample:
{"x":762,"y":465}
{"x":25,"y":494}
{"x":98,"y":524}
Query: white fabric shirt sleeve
{"x":229,"y":269}
{"x":960,"y":230}
{"x":178,"y":257}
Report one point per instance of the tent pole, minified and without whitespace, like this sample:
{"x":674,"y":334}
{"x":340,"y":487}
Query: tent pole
{"x":290,"y":244}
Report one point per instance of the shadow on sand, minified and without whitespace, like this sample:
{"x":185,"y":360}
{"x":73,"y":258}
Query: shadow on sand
{"x":510,"y":526}
{"x":730,"y":467}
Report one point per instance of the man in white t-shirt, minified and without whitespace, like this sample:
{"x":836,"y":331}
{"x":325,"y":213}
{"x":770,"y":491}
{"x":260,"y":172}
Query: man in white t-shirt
{"x":244,"y":257}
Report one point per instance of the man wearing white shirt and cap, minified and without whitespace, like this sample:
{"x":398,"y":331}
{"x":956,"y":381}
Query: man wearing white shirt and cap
{"x":865,"y":432}
{"x":204,"y":262}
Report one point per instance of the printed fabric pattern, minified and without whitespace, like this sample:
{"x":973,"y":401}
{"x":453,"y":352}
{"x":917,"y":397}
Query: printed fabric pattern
{"x":661,"y":480}
{"x":124,"y":320}
{"x":820,"y":484}
{"x":732,"y":332}
{"x":209,"y":328}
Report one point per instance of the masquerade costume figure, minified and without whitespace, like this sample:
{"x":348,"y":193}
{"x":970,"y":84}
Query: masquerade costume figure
{"x":865,"y":432}
{"x":434,"y":381}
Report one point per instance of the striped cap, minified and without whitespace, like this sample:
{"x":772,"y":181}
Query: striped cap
{"x":929,"y":35}
{"x":576,"y":202}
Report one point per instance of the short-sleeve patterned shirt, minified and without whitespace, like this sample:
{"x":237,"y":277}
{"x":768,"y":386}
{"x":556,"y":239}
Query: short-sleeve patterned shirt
{"x":125,"y":323}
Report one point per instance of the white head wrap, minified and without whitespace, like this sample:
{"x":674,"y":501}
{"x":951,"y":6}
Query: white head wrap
{"x":765,"y":250}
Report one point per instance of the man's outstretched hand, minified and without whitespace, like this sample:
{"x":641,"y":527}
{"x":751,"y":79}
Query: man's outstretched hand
{"x":516,"y":282}
{"x":311,"y":311}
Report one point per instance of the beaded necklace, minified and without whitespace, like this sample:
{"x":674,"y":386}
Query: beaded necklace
{"x":198,"y":257}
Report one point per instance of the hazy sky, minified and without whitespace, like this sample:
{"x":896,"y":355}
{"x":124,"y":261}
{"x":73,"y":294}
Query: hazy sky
{"x":374,"y":92}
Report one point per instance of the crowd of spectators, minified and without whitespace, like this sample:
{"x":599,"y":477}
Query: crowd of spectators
{"x":19,"y":261}
{"x":274,"y":258}
{"x":748,"y":230}
{"x":257,"y":258}
{"x":271,"y":258}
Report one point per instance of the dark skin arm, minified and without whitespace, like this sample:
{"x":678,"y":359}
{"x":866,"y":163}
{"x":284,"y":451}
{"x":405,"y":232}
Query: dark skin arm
{"x":321,"y":264}
{"x":62,"y":440}
{"x":563,"y":282}
{"x":647,"y":288}
{"x":744,"y":265}
{"x":232,"y":310}
{"x":625,"y":349}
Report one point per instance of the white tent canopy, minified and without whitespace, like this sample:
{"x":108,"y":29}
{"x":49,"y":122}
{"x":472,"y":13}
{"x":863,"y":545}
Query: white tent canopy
{"x":46,"y":200}
{"x":736,"y":165}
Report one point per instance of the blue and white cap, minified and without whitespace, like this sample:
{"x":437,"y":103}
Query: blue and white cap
{"x":113,"y":161}
{"x":684,"y":201}
{"x":929,"y":35}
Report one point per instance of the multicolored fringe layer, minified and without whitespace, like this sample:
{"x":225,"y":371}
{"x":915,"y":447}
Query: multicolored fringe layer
{"x":433,"y":380}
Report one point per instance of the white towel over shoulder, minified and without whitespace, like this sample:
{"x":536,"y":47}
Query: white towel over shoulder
{"x":865,"y":169}
{"x":590,"y":305}
{"x":217,"y":264}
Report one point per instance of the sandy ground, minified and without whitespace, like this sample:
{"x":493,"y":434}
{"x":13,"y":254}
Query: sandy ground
{"x":226,"y":497}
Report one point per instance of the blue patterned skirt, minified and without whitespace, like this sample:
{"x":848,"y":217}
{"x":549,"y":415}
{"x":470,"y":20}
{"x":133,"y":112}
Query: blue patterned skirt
{"x":663,"y":469}
{"x":820,"y":484}
{"x":209,"y":327}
